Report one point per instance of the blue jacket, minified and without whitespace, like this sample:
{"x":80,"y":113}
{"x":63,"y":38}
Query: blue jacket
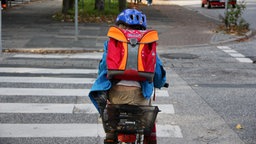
{"x":104,"y":84}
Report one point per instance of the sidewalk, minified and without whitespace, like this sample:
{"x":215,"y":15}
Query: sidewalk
{"x":30,"y":26}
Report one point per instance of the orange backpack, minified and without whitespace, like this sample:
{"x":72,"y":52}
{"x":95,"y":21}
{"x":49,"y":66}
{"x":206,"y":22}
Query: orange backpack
{"x":131,"y":54}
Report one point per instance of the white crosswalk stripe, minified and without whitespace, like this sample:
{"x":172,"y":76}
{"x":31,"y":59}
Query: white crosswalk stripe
{"x":72,"y":130}
{"x":46,"y":80}
{"x":57,"y":92}
{"x":46,"y":70}
{"x":57,"y":56}
{"x":238,"y":56}
{"x":10,"y":89}
{"x":61,"y":108}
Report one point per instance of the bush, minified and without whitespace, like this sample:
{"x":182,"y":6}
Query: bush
{"x":233,"y":20}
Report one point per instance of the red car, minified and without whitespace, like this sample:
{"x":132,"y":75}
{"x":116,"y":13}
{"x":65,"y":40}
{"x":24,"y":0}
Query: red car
{"x":218,"y":3}
{"x":4,"y":3}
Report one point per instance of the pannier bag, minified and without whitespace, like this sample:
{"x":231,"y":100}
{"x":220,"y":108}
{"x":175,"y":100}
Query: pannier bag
{"x":131,"y":54}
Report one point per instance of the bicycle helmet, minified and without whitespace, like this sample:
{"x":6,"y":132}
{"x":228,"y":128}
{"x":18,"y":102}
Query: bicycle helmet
{"x":132,"y":17}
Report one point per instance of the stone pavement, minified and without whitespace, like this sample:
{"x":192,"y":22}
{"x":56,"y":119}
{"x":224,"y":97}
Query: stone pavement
{"x":30,"y":26}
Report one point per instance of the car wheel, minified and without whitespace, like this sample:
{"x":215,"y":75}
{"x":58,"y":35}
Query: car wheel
{"x":209,"y":5}
{"x":202,"y":5}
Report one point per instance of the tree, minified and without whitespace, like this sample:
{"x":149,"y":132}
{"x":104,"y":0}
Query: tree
{"x":122,"y":5}
{"x":67,"y":5}
{"x":99,"y":5}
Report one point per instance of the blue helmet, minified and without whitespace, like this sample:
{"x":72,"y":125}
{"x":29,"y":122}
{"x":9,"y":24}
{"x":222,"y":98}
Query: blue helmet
{"x":132,"y":17}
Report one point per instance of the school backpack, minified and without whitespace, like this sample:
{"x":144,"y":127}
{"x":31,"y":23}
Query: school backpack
{"x":131,"y":54}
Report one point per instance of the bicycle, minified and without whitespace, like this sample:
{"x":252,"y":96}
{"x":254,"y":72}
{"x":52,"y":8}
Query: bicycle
{"x":130,"y":123}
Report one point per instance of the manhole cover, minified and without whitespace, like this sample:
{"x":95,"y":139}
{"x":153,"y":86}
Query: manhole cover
{"x":179,"y":56}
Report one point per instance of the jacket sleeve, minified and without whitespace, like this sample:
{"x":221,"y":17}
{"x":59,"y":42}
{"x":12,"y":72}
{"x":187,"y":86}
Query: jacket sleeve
{"x":160,"y":74}
{"x":101,"y":83}
{"x":103,"y":64}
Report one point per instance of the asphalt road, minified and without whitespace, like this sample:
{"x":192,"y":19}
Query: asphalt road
{"x":215,"y":12}
{"x":223,"y":83}
{"x":212,"y":90}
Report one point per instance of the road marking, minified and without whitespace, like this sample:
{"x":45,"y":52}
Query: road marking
{"x":168,"y":131}
{"x":166,"y":108}
{"x":46,"y":108}
{"x":63,"y":80}
{"x":61,"y":56}
{"x":72,"y":130}
{"x":43,"y":92}
{"x":238,"y":56}
{"x":224,"y":47}
{"x":51,"y":130}
{"x":162,"y":93}
{"x":63,"y":108}
{"x":61,"y":130}
{"x":56,"y":92}
{"x":230,"y":51}
{"x":46,"y":70}
{"x":245,"y":60}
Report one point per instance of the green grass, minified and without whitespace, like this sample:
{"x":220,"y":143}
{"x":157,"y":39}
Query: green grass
{"x":87,"y":13}
{"x":87,"y":7}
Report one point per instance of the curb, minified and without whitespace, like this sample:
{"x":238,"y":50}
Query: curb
{"x":51,"y":50}
{"x":92,"y":50}
{"x":248,"y":35}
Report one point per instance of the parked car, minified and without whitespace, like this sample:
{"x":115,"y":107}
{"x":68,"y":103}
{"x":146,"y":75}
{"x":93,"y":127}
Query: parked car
{"x":217,"y":3}
{"x":4,"y":3}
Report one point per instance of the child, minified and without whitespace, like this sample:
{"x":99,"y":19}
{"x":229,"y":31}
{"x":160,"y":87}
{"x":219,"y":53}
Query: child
{"x":105,"y":91}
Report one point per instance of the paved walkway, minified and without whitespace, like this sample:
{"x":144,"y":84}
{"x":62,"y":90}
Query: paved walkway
{"x":30,"y":26}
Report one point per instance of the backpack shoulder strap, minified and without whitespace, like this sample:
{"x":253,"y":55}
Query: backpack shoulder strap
{"x":116,"y":33}
{"x":149,"y":37}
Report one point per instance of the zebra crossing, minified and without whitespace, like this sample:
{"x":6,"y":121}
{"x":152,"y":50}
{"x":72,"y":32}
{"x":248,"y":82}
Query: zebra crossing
{"x":233,"y":53}
{"x":51,"y":105}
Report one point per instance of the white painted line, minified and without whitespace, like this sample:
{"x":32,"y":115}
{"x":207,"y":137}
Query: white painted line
{"x":168,"y":131}
{"x":73,"y":130}
{"x":224,"y":47}
{"x":236,"y":55}
{"x":162,"y":93}
{"x":159,"y":93}
{"x":166,"y":108}
{"x":46,"y":70}
{"x":47,"y":108}
{"x":56,"y":92}
{"x":46,"y":80}
{"x":85,"y":108}
{"x":230,"y":51}
{"x":51,"y":130}
{"x":43,"y":92}
{"x":61,"y":56}
{"x":63,"y":108}
{"x":245,"y":60}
